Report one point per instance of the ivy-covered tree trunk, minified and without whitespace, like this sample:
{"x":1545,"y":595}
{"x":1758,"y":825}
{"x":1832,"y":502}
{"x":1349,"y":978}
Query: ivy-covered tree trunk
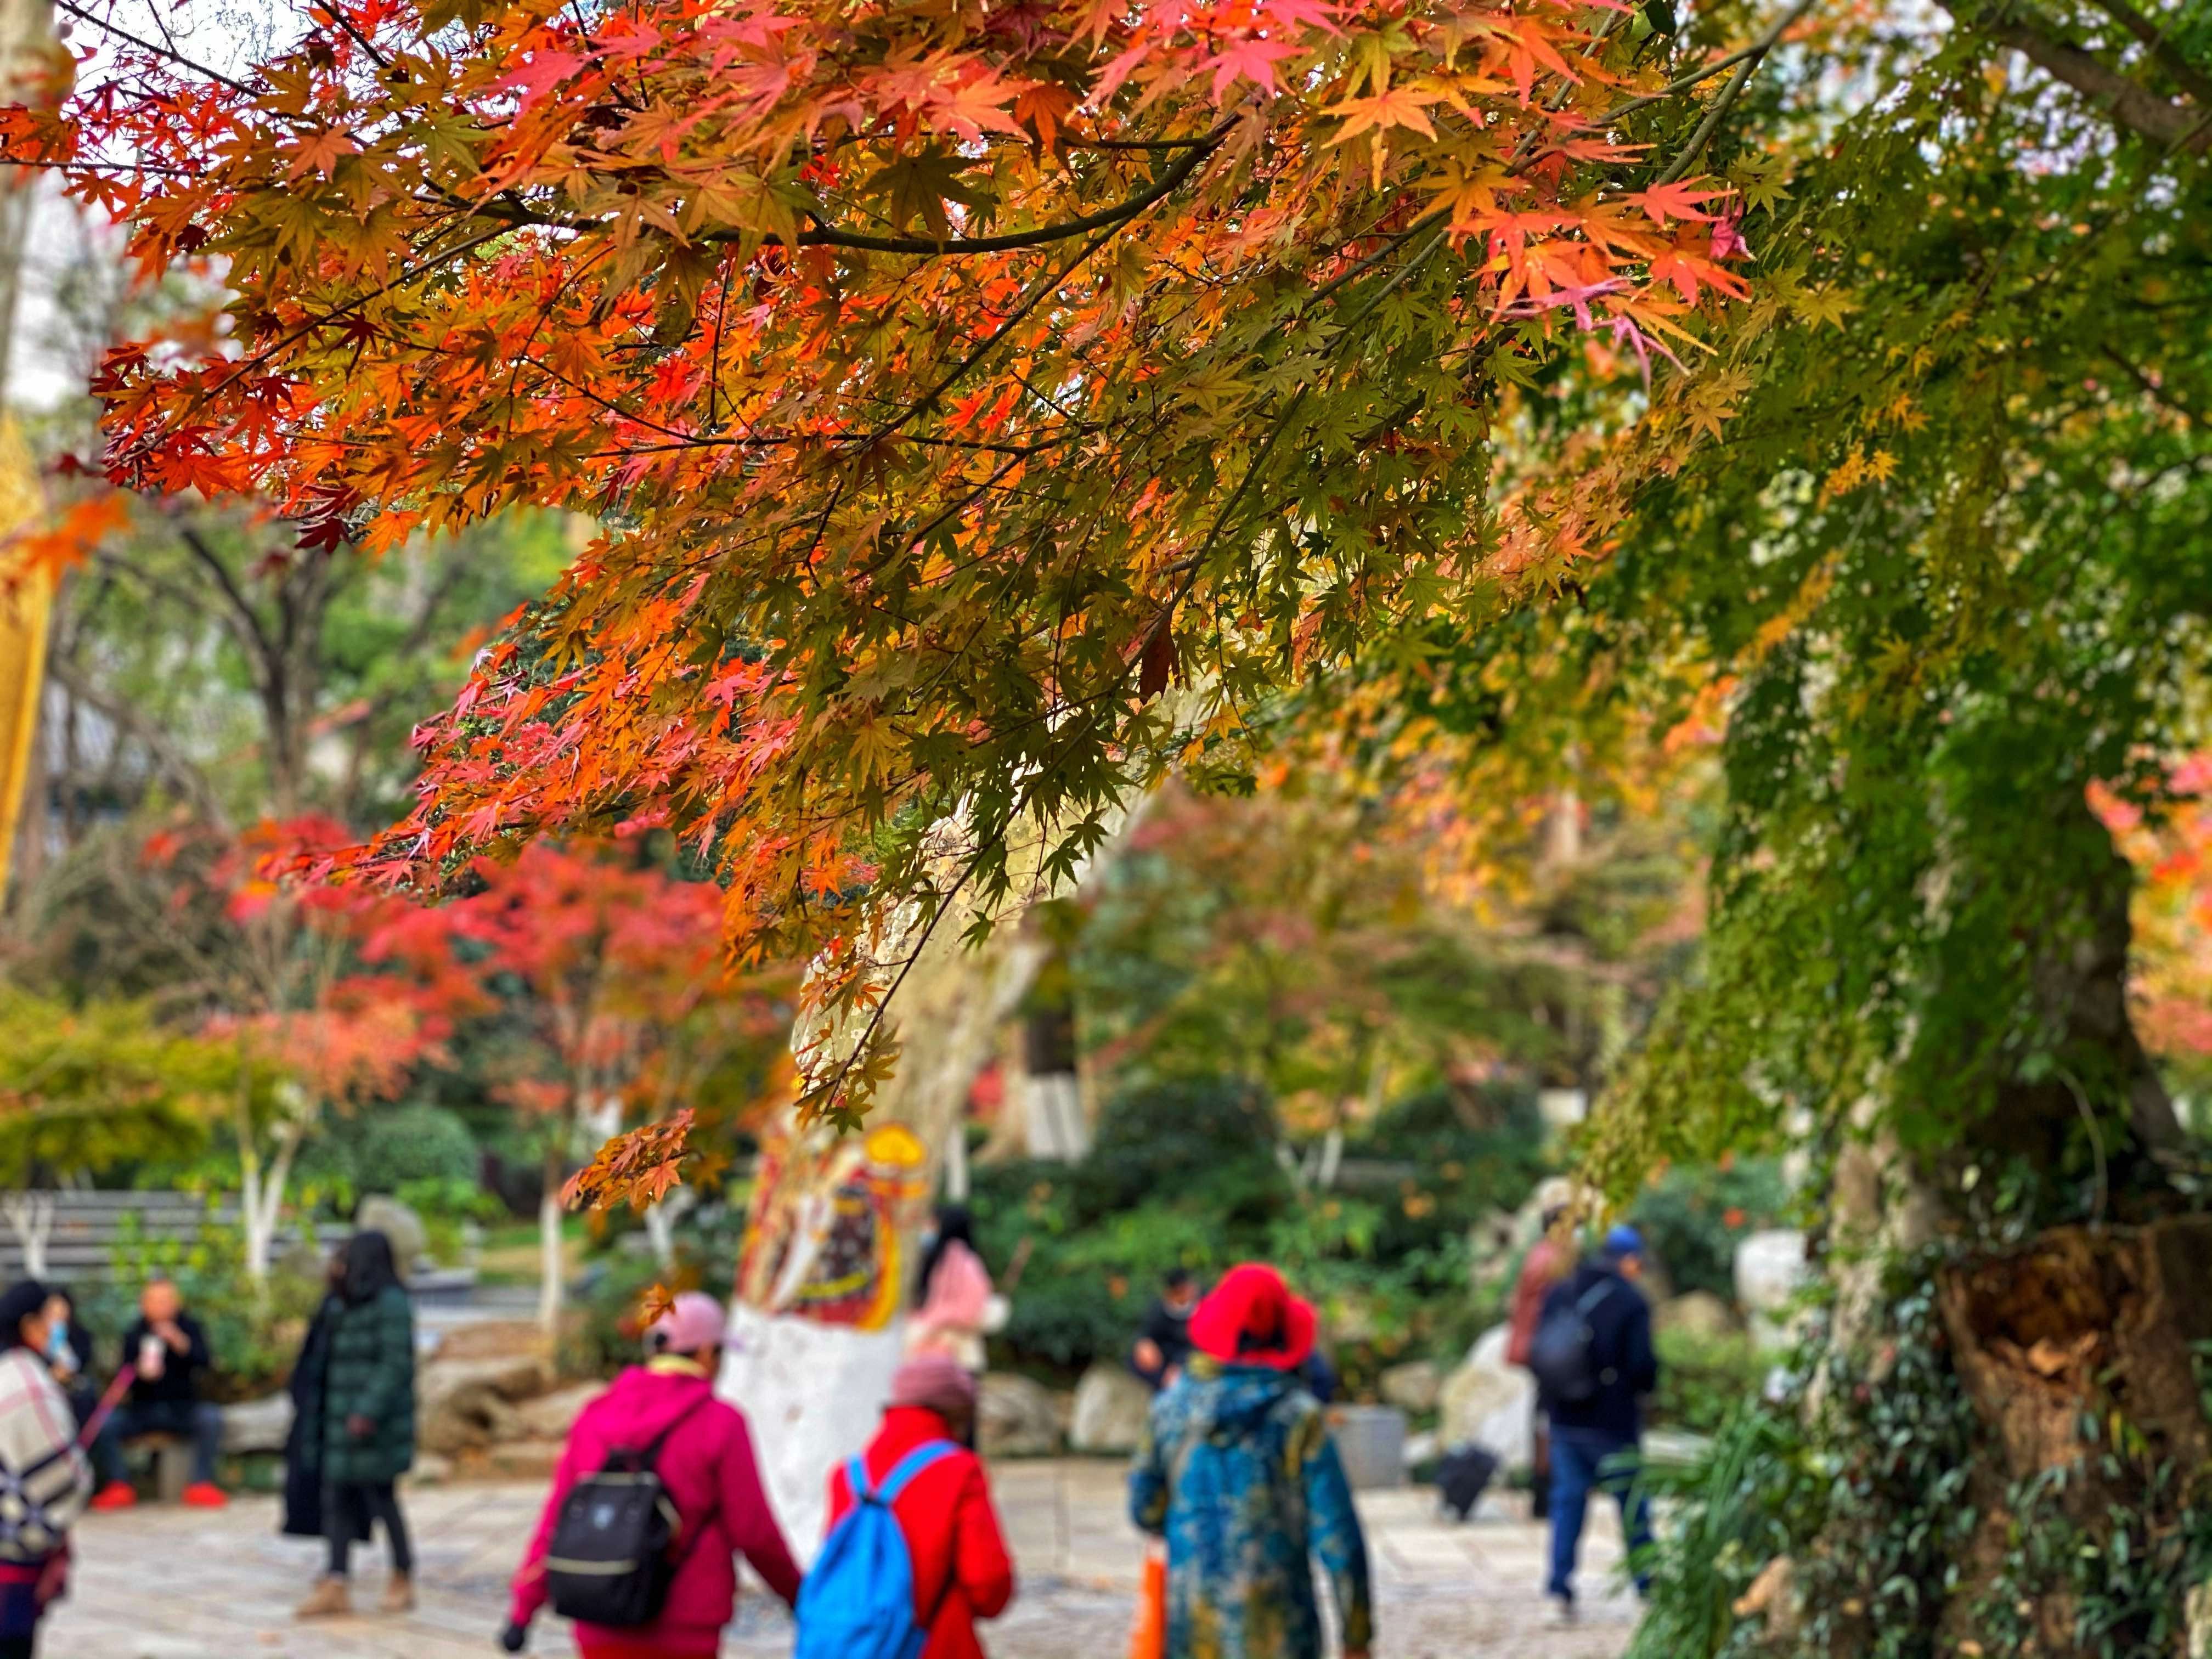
{"x":2043,"y":1261}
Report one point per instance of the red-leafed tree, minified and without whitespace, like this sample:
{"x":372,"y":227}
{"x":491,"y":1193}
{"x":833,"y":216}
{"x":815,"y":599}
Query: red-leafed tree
{"x":613,"y":974}
{"x":333,"y":996}
{"x":953,"y":380}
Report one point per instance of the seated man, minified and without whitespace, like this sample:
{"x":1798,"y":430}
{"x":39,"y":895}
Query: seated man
{"x":168,"y":1350}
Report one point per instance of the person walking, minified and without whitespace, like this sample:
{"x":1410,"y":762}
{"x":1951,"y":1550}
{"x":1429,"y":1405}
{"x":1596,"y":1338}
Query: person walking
{"x":705,"y":1462}
{"x":1550,"y":1259}
{"x":303,"y":1440}
{"x":48,"y":1476}
{"x":1596,"y":1441}
{"x":1238,"y":1474}
{"x":956,"y":1306}
{"x":367,"y":1425}
{"x":957,"y":1553}
{"x":168,"y":1350}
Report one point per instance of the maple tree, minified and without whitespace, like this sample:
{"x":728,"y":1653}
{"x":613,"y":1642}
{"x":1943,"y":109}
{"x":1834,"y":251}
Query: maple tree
{"x":950,"y":381}
{"x":610,"y":970}
{"x":329,"y":997}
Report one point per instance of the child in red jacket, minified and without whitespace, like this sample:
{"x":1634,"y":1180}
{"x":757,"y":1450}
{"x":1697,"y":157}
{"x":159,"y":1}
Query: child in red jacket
{"x":960,"y":1564}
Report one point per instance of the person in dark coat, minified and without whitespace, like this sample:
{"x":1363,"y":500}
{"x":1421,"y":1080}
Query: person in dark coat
{"x":303,"y":1442}
{"x":1596,"y":1442}
{"x":368,"y":1424}
{"x":1163,"y":1345}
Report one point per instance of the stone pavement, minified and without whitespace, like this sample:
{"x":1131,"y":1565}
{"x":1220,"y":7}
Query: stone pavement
{"x":163,"y":1583}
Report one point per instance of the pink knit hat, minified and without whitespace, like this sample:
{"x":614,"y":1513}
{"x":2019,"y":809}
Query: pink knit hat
{"x":935,"y":1381}
{"x":693,"y":1323}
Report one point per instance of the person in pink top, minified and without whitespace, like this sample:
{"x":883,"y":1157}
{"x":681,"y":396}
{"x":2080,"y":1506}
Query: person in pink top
{"x":709,"y":1468}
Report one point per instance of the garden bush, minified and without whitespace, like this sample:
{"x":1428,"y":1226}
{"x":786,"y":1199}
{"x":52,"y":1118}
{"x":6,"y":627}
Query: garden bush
{"x":254,"y":1332}
{"x":1695,"y":1217}
{"x":1705,"y":1380}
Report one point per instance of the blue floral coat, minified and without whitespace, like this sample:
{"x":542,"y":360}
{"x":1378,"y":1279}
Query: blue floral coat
{"x":1239,"y":1474}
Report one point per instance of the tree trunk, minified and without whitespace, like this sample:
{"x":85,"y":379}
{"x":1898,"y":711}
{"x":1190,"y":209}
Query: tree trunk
{"x":2075,"y":1347}
{"x":31,"y":1218}
{"x":261,"y":1196}
{"x":550,"y":1268}
{"x":812,"y":1361}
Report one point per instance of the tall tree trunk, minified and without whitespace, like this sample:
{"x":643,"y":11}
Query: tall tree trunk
{"x":814,"y":1381}
{"x":2090,"y":1324}
{"x":551,"y":1270}
{"x":31,"y":1218}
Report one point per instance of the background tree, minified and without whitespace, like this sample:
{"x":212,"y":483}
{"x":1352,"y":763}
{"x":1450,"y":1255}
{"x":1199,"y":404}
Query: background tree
{"x":609,"y":972}
{"x":82,"y":1091}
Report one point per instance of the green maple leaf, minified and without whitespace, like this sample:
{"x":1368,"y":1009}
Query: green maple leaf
{"x":919,"y":185}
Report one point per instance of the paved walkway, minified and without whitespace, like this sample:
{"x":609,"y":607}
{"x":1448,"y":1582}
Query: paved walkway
{"x":159,"y":1583}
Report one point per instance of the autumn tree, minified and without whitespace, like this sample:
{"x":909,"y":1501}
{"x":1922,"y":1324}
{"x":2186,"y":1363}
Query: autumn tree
{"x":610,"y":972}
{"x":953,"y":384}
{"x":84,"y":1090}
{"x":327,"y":997}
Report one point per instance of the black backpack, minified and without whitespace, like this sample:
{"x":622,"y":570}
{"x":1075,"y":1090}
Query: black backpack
{"x":608,"y":1561}
{"x":1463,"y":1476}
{"x":1563,"y":1353}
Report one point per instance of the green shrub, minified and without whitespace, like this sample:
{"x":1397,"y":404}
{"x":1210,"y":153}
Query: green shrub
{"x":397,"y":1146}
{"x":1185,"y":1176}
{"x":254,"y":1333}
{"x":1697,"y":1215}
{"x":1705,"y":1380}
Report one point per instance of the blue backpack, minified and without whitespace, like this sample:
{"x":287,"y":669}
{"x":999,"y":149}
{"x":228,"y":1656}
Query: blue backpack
{"x":858,"y":1601}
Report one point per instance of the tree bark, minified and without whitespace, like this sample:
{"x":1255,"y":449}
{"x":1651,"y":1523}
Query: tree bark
{"x":550,"y":1268}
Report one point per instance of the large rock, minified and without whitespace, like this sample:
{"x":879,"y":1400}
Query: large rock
{"x":2198,"y":1611}
{"x":1769,"y":1268}
{"x":550,"y":1416}
{"x":1016,"y":1417}
{"x":411,"y":1240}
{"x":1413,"y":1387}
{"x":1699,"y":1314}
{"x":257,"y":1425}
{"x":1490,"y":1403}
{"x":1110,"y":1408}
{"x":461,"y":1404}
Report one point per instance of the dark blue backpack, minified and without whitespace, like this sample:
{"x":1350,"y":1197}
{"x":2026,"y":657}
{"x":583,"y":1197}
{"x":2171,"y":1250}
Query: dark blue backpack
{"x":858,"y":1601}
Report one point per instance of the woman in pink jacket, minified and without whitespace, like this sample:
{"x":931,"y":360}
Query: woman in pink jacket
{"x":707,"y":1467}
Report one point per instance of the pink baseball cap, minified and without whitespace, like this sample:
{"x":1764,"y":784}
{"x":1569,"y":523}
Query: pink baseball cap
{"x":693,"y":1323}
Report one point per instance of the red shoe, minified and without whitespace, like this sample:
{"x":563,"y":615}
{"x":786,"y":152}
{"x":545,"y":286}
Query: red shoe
{"x":204,"y":1495}
{"x":115,"y":1495}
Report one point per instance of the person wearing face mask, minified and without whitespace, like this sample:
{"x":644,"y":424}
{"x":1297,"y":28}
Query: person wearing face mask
{"x":41,"y":1464}
{"x":70,"y":1355}
{"x":1163,"y":1345}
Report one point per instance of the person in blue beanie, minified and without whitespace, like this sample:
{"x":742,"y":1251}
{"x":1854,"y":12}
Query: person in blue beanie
{"x":1597,"y":1440}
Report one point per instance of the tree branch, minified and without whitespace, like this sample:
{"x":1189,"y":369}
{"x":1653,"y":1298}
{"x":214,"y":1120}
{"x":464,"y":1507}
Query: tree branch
{"x":2186,"y":76}
{"x":255,"y":638}
{"x":179,"y":770}
{"x":2127,"y":101}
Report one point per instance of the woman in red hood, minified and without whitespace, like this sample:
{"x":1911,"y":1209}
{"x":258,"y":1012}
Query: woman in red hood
{"x":1239,"y":1475}
{"x":706,"y":1465}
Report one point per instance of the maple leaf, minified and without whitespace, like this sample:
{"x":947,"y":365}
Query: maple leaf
{"x":918,"y":185}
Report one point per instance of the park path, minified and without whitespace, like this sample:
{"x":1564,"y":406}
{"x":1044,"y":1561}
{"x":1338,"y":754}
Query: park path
{"x":161,"y":1584}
